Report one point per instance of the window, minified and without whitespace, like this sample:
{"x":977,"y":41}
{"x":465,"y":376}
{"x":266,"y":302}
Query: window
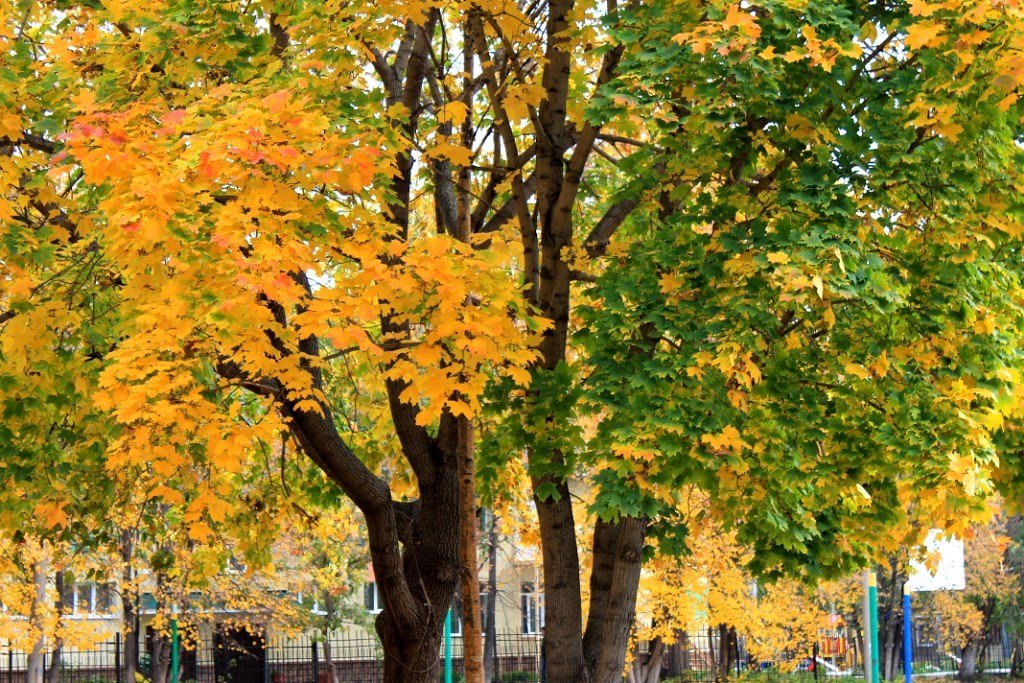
{"x":371,"y":598}
{"x":456,"y":615}
{"x":532,"y":605}
{"x":485,"y":596}
{"x":310,"y":602}
{"x":92,"y":599}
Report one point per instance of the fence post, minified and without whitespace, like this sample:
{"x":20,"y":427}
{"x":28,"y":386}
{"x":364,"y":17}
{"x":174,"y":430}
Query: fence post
{"x":316,"y":665}
{"x":117,"y":657}
{"x":266,"y":659}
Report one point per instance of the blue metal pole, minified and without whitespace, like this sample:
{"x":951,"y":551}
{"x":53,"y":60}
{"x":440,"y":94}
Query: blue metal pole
{"x":448,"y":647}
{"x":908,"y":653}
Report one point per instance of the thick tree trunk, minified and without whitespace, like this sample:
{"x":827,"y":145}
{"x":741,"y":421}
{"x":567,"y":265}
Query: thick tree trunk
{"x":967,"y":670}
{"x":648,"y":670}
{"x":562,"y":600}
{"x":613,"y":596}
{"x":655,"y":661}
{"x":679,"y":655}
{"x":160,"y":658}
{"x":431,"y":567}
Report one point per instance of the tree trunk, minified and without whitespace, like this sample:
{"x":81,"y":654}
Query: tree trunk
{"x":491,"y":631}
{"x":36,"y":658}
{"x":60,"y":604}
{"x":160,"y":658}
{"x":724,"y":661}
{"x":431,"y":567}
{"x":967,"y":671}
{"x":472,"y":641}
{"x":562,"y":599}
{"x":129,"y":610}
{"x":330,"y":608}
{"x":332,"y":673}
{"x":649,"y":670}
{"x":613,"y":605}
{"x":680,"y":663}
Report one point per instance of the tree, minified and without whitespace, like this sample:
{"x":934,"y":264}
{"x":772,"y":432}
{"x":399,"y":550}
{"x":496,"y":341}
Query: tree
{"x":966,"y":619}
{"x":783,"y":206}
{"x":786,"y":327}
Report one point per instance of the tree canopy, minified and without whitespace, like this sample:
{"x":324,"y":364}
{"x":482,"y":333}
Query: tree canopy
{"x":769,"y":249}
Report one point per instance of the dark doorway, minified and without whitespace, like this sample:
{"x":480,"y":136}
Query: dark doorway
{"x":239,"y":655}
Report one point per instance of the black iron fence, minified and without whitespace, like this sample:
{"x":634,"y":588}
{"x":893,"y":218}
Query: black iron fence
{"x":708,"y":655}
{"x":702,"y":656}
{"x":233,"y":657}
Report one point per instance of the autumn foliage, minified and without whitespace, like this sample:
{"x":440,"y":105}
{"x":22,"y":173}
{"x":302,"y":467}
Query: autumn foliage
{"x":257,"y":256}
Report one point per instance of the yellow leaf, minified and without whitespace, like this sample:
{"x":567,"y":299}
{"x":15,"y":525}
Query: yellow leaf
{"x":453,"y":112}
{"x":857,"y":370}
{"x":924,"y":34}
{"x":729,"y":439}
{"x":457,"y":154}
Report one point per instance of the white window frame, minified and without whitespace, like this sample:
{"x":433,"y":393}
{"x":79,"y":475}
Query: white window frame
{"x":89,"y":612}
{"x":531,"y":609}
{"x":378,"y":603}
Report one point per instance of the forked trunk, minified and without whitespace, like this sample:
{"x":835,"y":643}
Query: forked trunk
{"x":430,"y":558}
{"x":415,"y":659}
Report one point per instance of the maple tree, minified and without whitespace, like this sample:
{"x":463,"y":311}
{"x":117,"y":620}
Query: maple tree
{"x":775,"y":209}
{"x":964,"y":619}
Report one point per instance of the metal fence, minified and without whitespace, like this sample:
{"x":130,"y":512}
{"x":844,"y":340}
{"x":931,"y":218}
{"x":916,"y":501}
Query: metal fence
{"x":235,"y":658}
{"x":696,"y":657}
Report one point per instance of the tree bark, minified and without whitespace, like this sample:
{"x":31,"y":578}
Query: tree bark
{"x":431,"y":565}
{"x":329,"y":607}
{"x":34,"y":668}
{"x":491,"y":631}
{"x":129,"y":606}
{"x":472,"y":643}
{"x":160,"y":658}
{"x":60,"y":604}
{"x":618,"y":602}
{"x":562,"y":598}
{"x":724,"y":661}
{"x":656,"y":657}
{"x":967,"y":670}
